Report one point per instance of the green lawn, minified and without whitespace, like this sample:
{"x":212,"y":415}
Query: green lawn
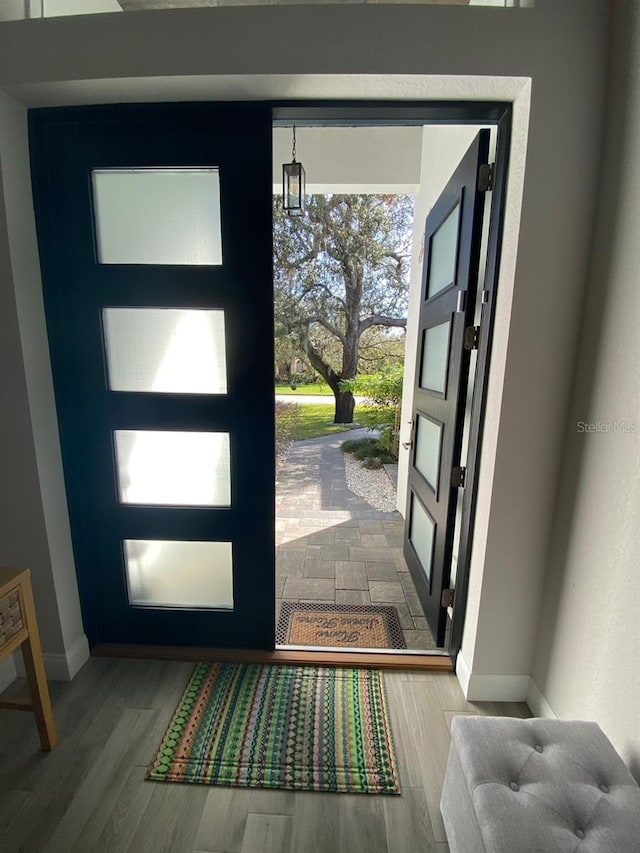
{"x":313,"y":388}
{"x":317,"y":420}
{"x":320,"y":388}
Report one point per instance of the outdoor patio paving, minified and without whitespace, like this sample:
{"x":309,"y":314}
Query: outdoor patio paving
{"x":334,"y":547}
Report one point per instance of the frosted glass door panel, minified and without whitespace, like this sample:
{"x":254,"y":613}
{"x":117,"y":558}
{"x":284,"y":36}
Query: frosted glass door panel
{"x":421,"y":534}
{"x":168,"y":350}
{"x":435,"y":358}
{"x":157,"y":216}
{"x":179,"y":574}
{"x":444,"y":253}
{"x":428,"y":444}
{"x":173,"y":468}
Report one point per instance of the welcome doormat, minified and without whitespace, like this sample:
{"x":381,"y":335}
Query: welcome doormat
{"x":363,"y":626}
{"x":298,"y":728}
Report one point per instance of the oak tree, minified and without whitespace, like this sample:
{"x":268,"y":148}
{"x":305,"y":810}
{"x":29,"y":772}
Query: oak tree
{"x":341,"y":270}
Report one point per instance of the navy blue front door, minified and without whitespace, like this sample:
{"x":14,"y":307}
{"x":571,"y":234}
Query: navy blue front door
{"x":154,"y":227}
{"x":453,"y":234}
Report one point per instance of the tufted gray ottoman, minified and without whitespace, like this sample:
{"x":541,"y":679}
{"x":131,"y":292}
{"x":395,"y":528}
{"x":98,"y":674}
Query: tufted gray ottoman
{"x":537,"y":786}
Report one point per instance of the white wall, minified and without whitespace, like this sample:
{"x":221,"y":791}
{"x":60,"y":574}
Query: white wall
{"x":18,"y":10}
{"x":53,"y":8}
{"x":413,"y":53}
{"x":12,"y":10}
{"x":351,"y":159}
{"x":34,"y":525}
{"x":587,"y":664}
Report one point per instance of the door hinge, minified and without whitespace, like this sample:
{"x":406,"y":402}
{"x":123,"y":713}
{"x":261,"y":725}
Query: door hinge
{"x":486,"y":174}
{"x":471,"y":337}
{"x":458,"y":475}
{"x":409,"y":444}
{"x":448,"y":597}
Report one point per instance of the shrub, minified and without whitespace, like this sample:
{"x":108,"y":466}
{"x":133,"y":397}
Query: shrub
{"x":369,"y":451}
{"x":362,"y":453}
{"x":372,"y":462}
{"x":287,"y":420}
{"x":351,"y":444}
{"x":381,"y":409}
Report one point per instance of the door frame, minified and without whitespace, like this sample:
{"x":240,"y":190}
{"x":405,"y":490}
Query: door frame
{"x":498,"y":114}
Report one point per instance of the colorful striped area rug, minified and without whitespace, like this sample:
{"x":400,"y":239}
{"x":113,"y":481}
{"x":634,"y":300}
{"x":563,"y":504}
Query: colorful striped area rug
{"x":298,"y":728}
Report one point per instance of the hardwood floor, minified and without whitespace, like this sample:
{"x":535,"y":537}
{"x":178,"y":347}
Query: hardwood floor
{"x":89,"y":794}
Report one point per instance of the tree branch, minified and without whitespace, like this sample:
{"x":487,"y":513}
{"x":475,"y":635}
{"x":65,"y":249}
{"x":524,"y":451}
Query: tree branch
{"x":304,"y":323}
{"x":380,"y":320}
{"x":331,"y":329}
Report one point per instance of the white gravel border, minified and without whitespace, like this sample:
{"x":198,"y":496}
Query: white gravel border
{"x":373,"y":485}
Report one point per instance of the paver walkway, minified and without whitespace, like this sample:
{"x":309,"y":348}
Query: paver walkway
{"x":333,"y":547}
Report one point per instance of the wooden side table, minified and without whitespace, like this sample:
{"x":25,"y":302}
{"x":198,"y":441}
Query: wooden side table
{"x":18,"y":627}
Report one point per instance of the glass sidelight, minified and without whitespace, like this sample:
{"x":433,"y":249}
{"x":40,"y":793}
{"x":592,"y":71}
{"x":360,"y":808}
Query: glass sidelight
{"x":157,"y":216}
{"x":161,"y":573}
{"x":173,"y":468}
{"x":165,"y":350}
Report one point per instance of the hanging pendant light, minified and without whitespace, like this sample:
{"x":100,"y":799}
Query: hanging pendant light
{"x":293,"y":184}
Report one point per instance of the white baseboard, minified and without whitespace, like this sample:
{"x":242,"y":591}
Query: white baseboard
{"x":8,"y":672}
{"x":77,"y":656}
{"x":497,"y":688}
{"x":463,"y":672}
{"x":538,"y":705}
{"x":62,"y":667}
{"x":491,"y":688}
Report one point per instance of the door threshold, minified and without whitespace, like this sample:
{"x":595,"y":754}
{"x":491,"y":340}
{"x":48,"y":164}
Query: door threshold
{"x":425,"y":662}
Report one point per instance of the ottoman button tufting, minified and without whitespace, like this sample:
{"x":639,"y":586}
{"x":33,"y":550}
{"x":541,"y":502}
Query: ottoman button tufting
{"x":579,"y":776}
